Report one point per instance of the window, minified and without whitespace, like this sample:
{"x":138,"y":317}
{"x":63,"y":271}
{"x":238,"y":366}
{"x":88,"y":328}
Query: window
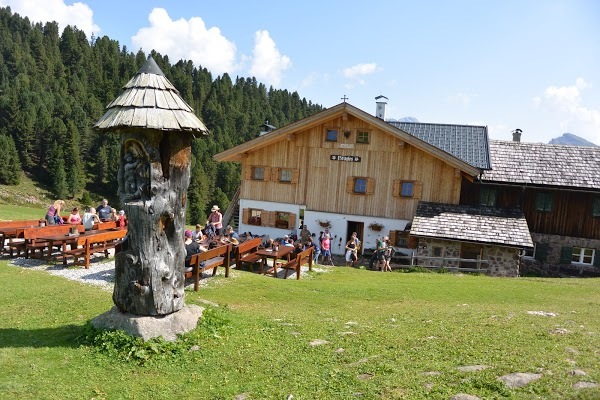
{"x":544,"y":201}
{"x":582,"y":255}
{"x":437,"y":251}
{"x":254,"y":217}
{"x":487,"y":196}
{"x":596,"y":207}
{"x":282,"y":220}
{"x":362,"y":137}
{"x":258,"y":173}
{"x":401,"y":239}
{"x":360,"y":185}
{"x":529,"y":252}
{"x":406,"y":189}
{"x":285,"y":175}
{"x":332,"y":135}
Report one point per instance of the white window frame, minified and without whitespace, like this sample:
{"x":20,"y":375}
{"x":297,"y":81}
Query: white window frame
{"x":529,"y":253}
{"x":580,"y":256}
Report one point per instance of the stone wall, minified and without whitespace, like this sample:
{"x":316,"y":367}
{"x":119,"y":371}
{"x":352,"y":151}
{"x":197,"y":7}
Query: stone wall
{"x":551,"y":265}
{"x":503,"y":261}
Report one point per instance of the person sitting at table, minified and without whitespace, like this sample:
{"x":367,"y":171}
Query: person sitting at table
{"x":122,"y":221}
{"x":231,"y":233}
{"x":53,"y":213}
{"x":191,"y":247}
{"x":269,"y":243}
{"x":287,"y":242}
{"x":74,"y":218}
{"x":198,"y":233}
{"x":299,"y":248}
{"x":114,"y":215}
{"x":90,"y":218}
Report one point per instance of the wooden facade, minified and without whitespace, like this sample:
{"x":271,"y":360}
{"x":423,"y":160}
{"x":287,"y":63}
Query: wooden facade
{"x":322,"y":171}
{"x":571,"y":212}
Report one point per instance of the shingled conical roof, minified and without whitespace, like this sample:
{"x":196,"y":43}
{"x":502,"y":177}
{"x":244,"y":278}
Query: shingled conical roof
{"x":150,"y":101}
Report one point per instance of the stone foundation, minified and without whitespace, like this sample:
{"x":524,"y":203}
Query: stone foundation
{"x":549,"y":264}
{"x":503,"y":261}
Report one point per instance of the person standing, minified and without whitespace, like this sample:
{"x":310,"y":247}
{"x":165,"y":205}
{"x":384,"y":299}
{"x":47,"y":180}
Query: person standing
{"x":215,"y":219}
{"x":104,"y":210}
{"x":378,"y":251}
{"x":53,"y":213}
{"x":351,"y":252}
{"x":326,"y":248}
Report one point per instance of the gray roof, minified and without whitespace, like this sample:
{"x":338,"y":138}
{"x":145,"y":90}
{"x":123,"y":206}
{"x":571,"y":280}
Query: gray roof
{"x":467,"y":142}
{"x":150,"y":101}
{"x":506,"y":227}
{"x":544,"y":164}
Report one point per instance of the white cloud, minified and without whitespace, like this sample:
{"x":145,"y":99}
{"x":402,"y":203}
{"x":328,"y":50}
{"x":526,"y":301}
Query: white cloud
{"x":188,"y":40}
{"x":359,"y":70}
{"x":77,"y":14}
{"x":462,"y":98}
{"x":575,"y":116}
{"x":268,"y":63}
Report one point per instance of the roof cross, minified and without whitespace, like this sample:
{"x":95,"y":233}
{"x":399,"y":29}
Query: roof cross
{"x":344,"y":98}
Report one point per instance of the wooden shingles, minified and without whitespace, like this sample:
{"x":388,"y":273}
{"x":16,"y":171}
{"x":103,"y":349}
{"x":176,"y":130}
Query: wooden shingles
{"x":149,"y":100}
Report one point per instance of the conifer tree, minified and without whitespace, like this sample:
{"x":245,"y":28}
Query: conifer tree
{"x":56,"y":169}
{"x":10,"y":166}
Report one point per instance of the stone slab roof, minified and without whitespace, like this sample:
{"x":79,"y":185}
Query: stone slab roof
{"x":544,"y":164}
{"x":467,"y":142}
{"x":489,"y":225}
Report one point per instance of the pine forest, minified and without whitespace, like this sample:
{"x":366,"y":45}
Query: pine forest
{"x":54,"y":86}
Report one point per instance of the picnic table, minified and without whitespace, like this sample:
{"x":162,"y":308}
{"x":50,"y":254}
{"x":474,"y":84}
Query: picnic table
{"x":65,"y":239}
{"x":283,"y":252}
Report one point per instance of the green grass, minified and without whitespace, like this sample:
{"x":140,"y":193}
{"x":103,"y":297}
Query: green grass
{"x":390,"y":336}
{"x":393,"y":328}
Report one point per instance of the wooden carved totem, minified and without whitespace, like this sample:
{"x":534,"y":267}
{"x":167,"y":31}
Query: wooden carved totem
{"x":154,"y":175}
{"x":156,"y":127}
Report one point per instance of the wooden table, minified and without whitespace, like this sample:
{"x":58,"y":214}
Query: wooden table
{"x":10,"y":233}
{"x":283,"y":252}
{"x":67,"y":239}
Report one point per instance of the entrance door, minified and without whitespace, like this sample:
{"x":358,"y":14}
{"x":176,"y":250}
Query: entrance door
{"x":359,"y":228}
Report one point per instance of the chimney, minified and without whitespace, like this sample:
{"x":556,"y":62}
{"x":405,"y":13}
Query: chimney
{"x":265,"y":128}
{"x":517,"y":135}
{"x":381,"y":102}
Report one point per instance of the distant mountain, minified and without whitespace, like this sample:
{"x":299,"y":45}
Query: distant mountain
{"x":405,"y":119}
{"x":572,"y":140}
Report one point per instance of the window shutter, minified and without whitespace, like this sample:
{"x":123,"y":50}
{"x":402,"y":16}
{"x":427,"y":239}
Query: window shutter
{"x":271,"y":220}
{"x":393,"y":237}
{"x":245,"y":215}
{"x":292,"y":221}
{"x":411,"y":243}
{"x":264,"y":218}
{"x":541,"y":252}
{"x":397,"y":186}
{"x":350,"y":184}
{"x":275,"y":174}
{"x":295,"y":175}
{"x":370,"y":186}
{"x":267,"y":173}
{"x":417,"y":190}
{"x":248,"y":172}
{"x":597,"y":257}
{"x":566,"y":255}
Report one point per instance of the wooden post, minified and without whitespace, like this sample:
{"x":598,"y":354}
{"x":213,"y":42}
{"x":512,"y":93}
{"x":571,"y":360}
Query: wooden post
{"x":154,"y":175}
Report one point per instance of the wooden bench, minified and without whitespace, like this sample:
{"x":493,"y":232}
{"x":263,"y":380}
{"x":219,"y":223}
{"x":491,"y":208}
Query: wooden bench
{"x":17,"y":227}
{"x":245,"y":253}
{"x":102,"y":226}
{"x":302,"y":258}
{"x":97,"y":243}
{"x":213,"y":258}
{"x":32,"y":243}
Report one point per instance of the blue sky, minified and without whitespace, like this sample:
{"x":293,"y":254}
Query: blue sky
{"x":533,"y":65}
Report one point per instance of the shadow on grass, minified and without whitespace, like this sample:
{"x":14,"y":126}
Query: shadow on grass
{"x":63,"y":336}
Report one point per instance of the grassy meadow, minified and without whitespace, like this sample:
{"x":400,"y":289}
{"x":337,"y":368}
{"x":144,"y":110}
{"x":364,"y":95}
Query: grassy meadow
{"x":382,"y":336}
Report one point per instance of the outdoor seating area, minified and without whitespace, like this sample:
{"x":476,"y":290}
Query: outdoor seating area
{"x":33,"y":239}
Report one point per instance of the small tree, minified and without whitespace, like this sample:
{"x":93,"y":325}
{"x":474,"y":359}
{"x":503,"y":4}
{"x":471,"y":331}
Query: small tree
{"x":56,"y":170}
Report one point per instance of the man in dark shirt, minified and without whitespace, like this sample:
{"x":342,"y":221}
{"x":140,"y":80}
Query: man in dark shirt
{"x":103,"y":210}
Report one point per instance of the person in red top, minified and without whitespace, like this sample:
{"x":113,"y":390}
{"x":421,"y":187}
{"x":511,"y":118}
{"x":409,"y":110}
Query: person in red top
{"x":122,"y":220}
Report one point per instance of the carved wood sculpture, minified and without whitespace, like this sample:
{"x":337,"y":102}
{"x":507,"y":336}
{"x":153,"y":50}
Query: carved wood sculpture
{"x":156,"y":128}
